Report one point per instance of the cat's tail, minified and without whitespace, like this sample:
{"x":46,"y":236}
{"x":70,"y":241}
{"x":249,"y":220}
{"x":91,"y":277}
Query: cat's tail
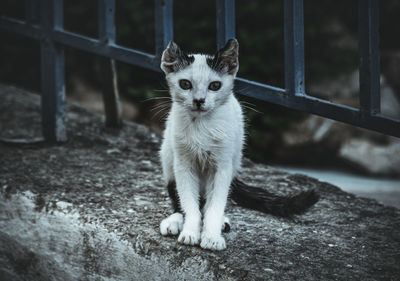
{"x":261,"y":200}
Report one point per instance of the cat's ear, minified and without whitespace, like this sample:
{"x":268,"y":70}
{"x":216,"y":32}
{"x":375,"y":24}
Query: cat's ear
{"x":226,"y":60}
{"x":173,"y":59}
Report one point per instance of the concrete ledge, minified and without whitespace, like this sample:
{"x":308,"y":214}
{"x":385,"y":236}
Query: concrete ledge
{"x":90,"y":209}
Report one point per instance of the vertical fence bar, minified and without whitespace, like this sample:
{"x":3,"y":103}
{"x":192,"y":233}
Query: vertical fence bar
{"x":106,"y":18}
{"x":111,"y":101}
{"x":52,"y":73}
{"x":225,"y":21}
{"x":368,"y":46}
{"x":294,"y":47}
{"x":163,"y":13}
{"x":32,"y":11}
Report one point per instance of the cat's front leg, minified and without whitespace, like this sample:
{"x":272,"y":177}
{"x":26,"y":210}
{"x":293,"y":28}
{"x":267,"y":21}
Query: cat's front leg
{"x":217,"y":195}
{"x":187,"y":185}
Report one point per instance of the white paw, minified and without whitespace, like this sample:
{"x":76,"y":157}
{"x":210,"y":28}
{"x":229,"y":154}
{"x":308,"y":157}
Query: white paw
{"x":212,"y":241}
{"x":172,"y":225}
{"x":189,"y":237}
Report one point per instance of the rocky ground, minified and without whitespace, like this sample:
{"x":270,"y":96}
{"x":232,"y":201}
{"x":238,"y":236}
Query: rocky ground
{"x":89,"y":209}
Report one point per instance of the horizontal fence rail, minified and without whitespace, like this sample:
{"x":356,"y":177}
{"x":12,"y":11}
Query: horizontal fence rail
{"x":44,"y":21}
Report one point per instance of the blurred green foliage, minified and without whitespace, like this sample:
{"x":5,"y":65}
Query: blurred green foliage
{"x":330,"y":48}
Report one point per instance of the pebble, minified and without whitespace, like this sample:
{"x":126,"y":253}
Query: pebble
{"x":113,"y":150}
{"x":146,"y":165}
{"x":268,"y":269}
{"x":63,"y":204}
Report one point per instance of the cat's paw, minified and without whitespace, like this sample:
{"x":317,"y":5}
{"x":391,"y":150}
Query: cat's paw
{"x":189,"y":237}
{"x":212,"y":241}
{"x":172,"y":225}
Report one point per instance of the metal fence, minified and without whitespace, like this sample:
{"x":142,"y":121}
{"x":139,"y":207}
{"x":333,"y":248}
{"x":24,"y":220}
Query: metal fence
{"x":44,"y":21}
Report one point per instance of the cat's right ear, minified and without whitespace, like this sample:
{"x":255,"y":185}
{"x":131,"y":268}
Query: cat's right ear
{"x":173,"y":59}
{"x":170,"y":58}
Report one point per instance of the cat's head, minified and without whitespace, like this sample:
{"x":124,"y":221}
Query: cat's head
{"x":200,"y":83}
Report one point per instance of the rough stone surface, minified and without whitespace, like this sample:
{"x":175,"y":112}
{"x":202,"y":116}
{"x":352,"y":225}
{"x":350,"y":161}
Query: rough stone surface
{"x":376,"y":158}
{"x":90,"y":209}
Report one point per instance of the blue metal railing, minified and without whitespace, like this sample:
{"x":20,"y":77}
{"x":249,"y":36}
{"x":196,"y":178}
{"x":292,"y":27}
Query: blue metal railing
{"x":48,"y":28}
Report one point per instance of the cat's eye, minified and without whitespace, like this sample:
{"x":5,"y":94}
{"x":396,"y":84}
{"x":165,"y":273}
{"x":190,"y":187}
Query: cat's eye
{"x":185,"y":84}
{"x":214,"y":86}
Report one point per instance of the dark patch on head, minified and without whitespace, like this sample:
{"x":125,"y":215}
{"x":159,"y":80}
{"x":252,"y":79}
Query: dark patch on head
{"x":174,"y":59}
{"x":226,"y":59}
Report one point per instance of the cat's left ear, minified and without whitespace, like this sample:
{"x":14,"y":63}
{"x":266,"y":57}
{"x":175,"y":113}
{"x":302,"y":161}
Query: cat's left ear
{"x":226,"y":60}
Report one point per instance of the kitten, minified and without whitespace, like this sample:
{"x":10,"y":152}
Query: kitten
{"x":201,"y":152}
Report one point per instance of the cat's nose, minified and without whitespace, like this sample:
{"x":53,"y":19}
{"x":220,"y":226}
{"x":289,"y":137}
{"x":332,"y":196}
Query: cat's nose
{"x":198,"y":102}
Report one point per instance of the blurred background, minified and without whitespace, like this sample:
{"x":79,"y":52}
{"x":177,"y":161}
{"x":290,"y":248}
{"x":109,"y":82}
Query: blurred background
{"x":354,"y":159}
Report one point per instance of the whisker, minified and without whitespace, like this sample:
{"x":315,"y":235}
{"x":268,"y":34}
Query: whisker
{"x":246,"y":102}
{"x":253,"y":109}
{"x":161,"y":106}
{"x":156,"y":98}
{"x":157,"y":113}
{"x":163,"y":102}
{"x":164,"y":117}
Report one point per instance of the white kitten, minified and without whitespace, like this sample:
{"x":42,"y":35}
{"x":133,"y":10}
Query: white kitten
{"x":202,"y":149}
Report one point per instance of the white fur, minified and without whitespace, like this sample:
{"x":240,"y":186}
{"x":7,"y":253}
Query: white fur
{"x":172,"y":225}
{"x":202,"y":152}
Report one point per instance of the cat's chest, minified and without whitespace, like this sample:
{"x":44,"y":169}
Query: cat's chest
{"x":202,"y":144}
{"x":204,"y":136}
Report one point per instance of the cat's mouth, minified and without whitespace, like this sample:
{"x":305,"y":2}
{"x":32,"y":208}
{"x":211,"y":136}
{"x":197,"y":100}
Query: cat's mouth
{"x":199,"y":110}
